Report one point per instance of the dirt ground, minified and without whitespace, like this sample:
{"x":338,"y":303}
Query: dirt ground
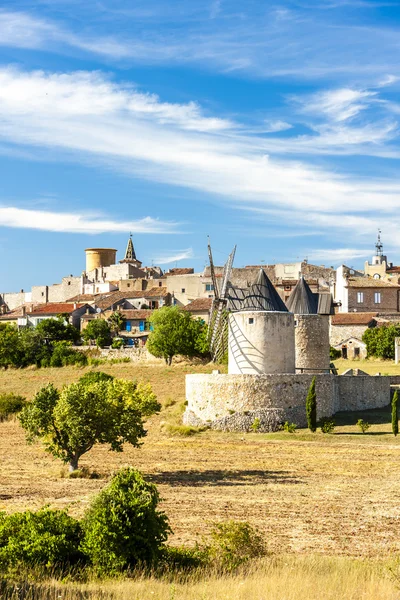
{"x":308,"y":493}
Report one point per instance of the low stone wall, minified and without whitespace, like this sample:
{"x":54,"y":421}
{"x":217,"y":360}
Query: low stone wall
{"x":363,"y":392}
{"x":134,"y":354}
{"x":233,"y":402}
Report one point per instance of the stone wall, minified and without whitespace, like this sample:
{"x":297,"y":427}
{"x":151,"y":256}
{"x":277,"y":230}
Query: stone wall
{"x":232,"y":402}
{"x":340,"y":333}
{"x":312,"y":342}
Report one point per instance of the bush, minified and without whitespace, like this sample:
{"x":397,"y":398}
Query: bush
{"x":123,"y":527}
{"x":327,"y":425}
{"x":47,"y":537}
{"x":117,"y":344}
{"x":380,"y":341}
{"x":95,"y":377}
{"x":10,"y":404}
{"x":334,"y":354}
{"x":363,"y":425}
{"x":183,"y":430}
{"x":63,"y":355}
{"x":256,"y":424}
{"x":289,"y":427}
{"x":232,"y":544}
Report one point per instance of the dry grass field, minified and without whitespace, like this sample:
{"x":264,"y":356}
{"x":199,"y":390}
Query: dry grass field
{"x":309,"y":494}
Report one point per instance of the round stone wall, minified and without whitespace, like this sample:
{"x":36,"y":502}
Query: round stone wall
{"x":100,"y":257}
{"x":261,"y":342}
{"x":312,"y":342}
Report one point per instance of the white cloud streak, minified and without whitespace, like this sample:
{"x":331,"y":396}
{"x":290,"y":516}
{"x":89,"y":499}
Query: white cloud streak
{"x":94,"y":119}
{"x":176,"y":257}
{"x":63,"y":222}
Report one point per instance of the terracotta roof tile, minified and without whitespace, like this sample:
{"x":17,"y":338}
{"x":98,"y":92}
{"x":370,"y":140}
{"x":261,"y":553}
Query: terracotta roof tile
{"x":368,"y":282}
{"x":199,"y":304}
{"x":178,"y":271}
{"x":82,"y":298}
{"x":55,"y":308}
{"x":353,"y":318}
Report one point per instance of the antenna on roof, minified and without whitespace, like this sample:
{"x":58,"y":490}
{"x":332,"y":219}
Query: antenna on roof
{"x":379,"y":245}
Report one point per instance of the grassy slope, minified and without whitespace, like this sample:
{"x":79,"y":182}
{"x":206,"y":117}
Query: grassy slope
{"x":332,"y":494}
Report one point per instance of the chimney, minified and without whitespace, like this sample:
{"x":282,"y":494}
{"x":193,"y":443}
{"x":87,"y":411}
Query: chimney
{"x":24,"y":311}
{"x":75,"y":305}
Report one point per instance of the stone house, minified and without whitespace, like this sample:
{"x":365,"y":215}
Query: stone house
{"x":346,"y":331}
{"x":200,"y":308}
{"x":73,"y":313}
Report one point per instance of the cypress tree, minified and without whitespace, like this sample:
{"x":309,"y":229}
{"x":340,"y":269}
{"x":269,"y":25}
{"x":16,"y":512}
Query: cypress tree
{"x":395,"y":418}
{"x":311,"y":407}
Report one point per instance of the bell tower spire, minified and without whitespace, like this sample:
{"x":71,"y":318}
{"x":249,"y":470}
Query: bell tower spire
{"x":130,"y":254}
{"x":130,"y":250}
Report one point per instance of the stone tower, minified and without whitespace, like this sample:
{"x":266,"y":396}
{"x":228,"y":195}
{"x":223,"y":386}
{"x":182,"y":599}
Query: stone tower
{"x":130,"y":255}
{"x":311,"y":330}
{"x":261,"y":333}
{"x":99,"y":257}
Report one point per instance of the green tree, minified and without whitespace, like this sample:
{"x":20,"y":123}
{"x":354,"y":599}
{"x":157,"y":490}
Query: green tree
{"x":311,"y":407}
{"x":116,"y":321}
{"x":176,"y":332}
{"x":56,"y":330}
{"x":71,"y":421}
{"x":380,"y":341}
{"x":98,"y":330}
{"x":395,"y":416}
{"x":123,"y":526}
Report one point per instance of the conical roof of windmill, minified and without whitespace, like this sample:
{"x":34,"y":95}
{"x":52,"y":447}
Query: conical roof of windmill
{"x":302,"y":300}
{"x":263,"y":296}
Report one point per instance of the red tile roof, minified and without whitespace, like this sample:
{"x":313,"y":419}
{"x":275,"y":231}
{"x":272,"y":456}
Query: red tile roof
{"x":368,"y":282}
{"x":82,"y":298}
{"x":17,"y":312}
{"x":358,"y":318}
{"x":55,"y":308}
{"x":179,"y":271}
{"x":199,"y":304}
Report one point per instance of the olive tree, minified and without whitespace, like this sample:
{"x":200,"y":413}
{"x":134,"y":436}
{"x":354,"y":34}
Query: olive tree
{"x":71,"y":421}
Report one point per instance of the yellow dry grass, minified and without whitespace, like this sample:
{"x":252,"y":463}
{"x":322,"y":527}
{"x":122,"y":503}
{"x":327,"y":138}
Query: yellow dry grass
{"x":282,"y":578}
{"x":306,"y":493}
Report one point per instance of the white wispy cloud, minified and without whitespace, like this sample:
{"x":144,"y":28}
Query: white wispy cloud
{"x":336,"y":105}
{"x":338,"y":255}
{"x":276,"y":126}
{"x":228,"y":37}
{"x":94,"y":119}
{"x":64,"y":222}
{"x":165,"y":259}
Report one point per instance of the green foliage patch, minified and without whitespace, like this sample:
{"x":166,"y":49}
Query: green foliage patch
{"x":10,"y":404}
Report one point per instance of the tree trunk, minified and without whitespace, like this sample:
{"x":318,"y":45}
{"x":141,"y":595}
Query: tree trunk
{"x":73,"y":464}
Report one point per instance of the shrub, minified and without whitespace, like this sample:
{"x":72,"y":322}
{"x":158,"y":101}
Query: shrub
{"x":256,"y":424}
{"x":327,"y":425}
{"x":47,"y":537}
{"x":311,"y":407}
{"x":183,"y":430}
{"x":123,"y":527}
{"x":10,"y":404}
{"x":395,"y":416}
{"x":234,"y":543}
{"x":95,"y":377}
{"x":289,"y":427}
{"x":117,"y":344}
{"x":63,"y":355}
{"x":363,"y":425}
{"x":334,"y":354}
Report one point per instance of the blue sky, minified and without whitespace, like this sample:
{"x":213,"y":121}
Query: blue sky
{"x":271,"y":125}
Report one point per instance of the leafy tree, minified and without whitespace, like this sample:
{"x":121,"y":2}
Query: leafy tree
{"x":380,"y":341}
{"x":334,"y":354}
{"x":311,"y":407}
{"x":395,"y":416}
{"x":116,"y":321}
{"x":63,"y":354}
{"x":46,"y":537}
{"x":83,"y":414}
{"x":56,"y":330}
{"x":10,"y":404}
{"x":99,"y":331}
{"x":123,"y":526}
{"x":176,"y":332}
